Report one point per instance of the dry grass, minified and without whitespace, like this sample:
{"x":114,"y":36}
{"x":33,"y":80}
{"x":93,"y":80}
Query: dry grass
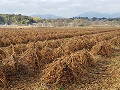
{"x":57,"y":56}
{"x":68,"y":69}
{"x":2,"y":54}
{"x":103,"y":49}
{"x":115,"y":41}
{"x":3,"y":81}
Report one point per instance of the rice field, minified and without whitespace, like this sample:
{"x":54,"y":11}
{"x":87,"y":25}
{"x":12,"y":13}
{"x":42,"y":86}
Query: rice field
{"x":59,"y":58}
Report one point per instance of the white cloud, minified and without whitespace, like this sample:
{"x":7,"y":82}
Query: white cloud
{"x":66,"y":8}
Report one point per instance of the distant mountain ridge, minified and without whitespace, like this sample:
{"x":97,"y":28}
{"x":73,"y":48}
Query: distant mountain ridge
{"x":99,"y":15}
{"x":47,"y":16}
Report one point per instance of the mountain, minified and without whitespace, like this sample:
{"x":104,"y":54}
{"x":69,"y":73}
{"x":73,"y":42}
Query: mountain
{"x":99,"y":15}
{"x":48,"y":16}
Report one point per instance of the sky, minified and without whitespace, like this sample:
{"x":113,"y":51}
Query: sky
{"x":64,"y":8}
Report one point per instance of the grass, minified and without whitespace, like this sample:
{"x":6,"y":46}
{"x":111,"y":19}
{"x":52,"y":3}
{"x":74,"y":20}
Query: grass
{"x":61,"y":88}
{"x":117,"y":54}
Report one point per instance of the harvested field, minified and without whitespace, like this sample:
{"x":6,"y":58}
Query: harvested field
{"x":59,"y":58}
{"x":68,"y":69}
{"x":103,"y":49}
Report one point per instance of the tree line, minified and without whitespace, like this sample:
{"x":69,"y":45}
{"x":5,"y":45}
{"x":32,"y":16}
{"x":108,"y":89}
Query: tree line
{"x":17,"y":19}
{"x":12,"y":19}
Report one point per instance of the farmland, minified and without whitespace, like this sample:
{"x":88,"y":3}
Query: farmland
{"x":60,"y":58}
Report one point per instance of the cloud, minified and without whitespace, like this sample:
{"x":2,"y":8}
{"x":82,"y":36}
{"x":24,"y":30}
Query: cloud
{"x":65,"y":8}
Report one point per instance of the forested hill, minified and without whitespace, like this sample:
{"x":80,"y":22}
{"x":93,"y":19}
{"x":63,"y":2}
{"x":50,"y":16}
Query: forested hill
{"x":17,"y":19}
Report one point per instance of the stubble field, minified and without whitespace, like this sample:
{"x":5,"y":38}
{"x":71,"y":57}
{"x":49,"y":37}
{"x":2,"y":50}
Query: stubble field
{"x":60,"y":58}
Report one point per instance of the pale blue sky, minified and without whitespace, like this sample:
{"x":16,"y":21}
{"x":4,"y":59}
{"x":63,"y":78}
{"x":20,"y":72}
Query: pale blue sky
{"x":65,"y":8}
